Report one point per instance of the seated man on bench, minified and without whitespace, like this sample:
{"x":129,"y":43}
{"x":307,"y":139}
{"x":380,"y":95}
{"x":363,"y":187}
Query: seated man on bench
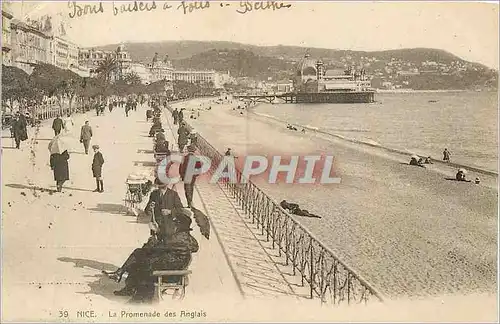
{"x":170,"y":248}
{"x":157,"y":127}
{"x":161,"y":147}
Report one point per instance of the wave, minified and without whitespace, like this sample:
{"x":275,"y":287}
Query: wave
{"x":373,"y":143}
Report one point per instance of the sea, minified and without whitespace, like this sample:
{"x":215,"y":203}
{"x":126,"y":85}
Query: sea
{"x":423,"y":123}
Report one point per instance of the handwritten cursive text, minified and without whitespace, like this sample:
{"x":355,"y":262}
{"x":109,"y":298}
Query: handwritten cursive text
{"x":137,"y":6}
{"x":248,"y":6}
{"x":191,"y":6}
{"x":82,"y":10}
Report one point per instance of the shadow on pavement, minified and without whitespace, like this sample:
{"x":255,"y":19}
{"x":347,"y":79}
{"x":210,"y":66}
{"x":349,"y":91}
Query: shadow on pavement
{"x":109,"y":208}
{"x":145,"y":151}
{"x":85,"y":263}
{"x":145,"y":163}
{"x":102,"y":286}
{"x":21,"y":186}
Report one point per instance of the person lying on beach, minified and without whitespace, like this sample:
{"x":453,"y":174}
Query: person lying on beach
{"x":293,"y":208}
{"x":460,"y":176}
{"x":428,"y":160}
{"x":416,"y":162}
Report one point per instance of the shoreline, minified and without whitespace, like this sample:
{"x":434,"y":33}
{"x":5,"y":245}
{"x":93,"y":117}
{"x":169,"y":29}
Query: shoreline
{"x":318,"y":130}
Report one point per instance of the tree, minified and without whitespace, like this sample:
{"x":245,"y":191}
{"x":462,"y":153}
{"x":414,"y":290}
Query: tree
{"x":106,"y":69}
{"x":132,"y":78}
{"x":53,"y":81}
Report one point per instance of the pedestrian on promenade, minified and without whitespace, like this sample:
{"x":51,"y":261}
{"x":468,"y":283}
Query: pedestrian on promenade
{"x":181,"y":116}
{"x":97,"y":163}
{"x":86,"y":136}
{"x":19,"y":130}
{"x":446,"y":155}
{"x":183,"y":133}
{"x":189,"y":183}
{"x":175,"y":116}
{"x":57,"y":125}
{"x":68,"y":124}
{"x":59,"y":157}
{"x":127,"y":108}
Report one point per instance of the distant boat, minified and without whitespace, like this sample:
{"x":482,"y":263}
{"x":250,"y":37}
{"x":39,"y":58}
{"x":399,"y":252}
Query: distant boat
{"x":433,"y":101}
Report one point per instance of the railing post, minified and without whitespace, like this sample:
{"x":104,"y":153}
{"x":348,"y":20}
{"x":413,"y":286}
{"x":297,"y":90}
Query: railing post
{"x":311,"y":267}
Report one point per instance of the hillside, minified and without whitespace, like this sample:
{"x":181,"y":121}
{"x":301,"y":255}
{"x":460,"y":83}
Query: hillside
{"x":144,"y":52}
{"x":445,"y":70}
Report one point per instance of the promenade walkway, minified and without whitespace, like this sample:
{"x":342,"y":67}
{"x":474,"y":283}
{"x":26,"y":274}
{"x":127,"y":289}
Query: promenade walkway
{"x":55,"y":245}
{"x":260,"y":271}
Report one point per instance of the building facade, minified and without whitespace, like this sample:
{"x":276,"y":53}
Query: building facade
{"x":117,"y":62}
{"x":142,"y":71}
{"x":64,"y":53}
{"x":161,"y":70}
{"x":31,"y":46}
{"x":6,"y":34}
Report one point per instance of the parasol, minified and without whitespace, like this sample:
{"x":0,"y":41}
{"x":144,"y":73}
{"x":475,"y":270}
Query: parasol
{"x":202,"y":221}
{"x":414,"y":156}
{"x":462,"y":170}
{"x":58,"y":145}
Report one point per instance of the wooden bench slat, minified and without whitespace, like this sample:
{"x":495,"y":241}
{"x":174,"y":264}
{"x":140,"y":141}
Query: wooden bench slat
{"x":171,"y":273}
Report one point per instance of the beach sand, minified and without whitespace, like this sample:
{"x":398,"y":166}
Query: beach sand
{"x":405,"y":229}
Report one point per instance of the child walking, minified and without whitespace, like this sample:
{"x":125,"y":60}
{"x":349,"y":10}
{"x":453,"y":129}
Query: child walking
{"x":97,"y":168}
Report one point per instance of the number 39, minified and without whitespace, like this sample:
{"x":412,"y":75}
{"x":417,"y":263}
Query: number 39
{"x":63,"y":314}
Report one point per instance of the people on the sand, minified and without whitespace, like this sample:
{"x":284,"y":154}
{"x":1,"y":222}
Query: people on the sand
{"x":416,"y":161}
{"x":170,"y":247}
{"x":428,"y":160}
{"x":57,"y":125}
{"x":295,"y":209}
{"x":446,"y":155}
{"x":461,"y":175}
{"x":189,"y":183}
{"x":290,"y":127}
{"x":477,"y":180}
{"x":97,"y":163}
{"x":86,"y":136}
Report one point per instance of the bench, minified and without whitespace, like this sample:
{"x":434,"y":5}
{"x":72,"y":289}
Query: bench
{"x":176,"y":280}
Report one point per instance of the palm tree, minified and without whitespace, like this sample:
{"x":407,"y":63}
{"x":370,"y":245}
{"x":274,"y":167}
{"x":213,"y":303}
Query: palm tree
{"x":132,"y":78}
{"x":106,"y":69}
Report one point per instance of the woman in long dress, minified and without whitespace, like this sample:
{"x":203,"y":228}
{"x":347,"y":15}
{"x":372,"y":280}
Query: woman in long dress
{"x":59,"y":157}
{"x":68,"y":124}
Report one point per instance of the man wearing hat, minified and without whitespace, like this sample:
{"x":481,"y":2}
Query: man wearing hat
{"x":161,"y":202}
{"x":189,"y":183}
{"x":168,"y":250}
{"x":97,"y":163}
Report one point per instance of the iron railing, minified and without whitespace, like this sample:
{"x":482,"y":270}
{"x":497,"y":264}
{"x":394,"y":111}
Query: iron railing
{"x":330,"y":279}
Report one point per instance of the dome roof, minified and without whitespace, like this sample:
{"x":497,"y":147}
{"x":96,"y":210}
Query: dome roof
{"x":306,"y":66}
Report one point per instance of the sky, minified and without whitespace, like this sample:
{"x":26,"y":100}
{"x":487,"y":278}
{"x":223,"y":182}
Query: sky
{"x":469,"y":30}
